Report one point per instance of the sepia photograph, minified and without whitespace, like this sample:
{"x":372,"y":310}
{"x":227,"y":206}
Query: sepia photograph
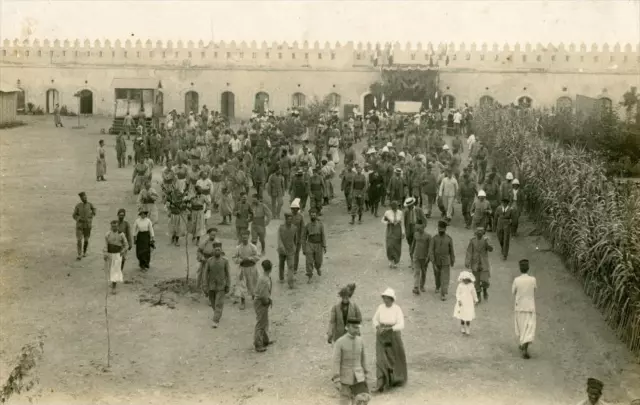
{"x":263,"y":202}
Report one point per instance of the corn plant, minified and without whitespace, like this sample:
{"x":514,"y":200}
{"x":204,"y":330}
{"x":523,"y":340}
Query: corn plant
{"x":591,"y":220}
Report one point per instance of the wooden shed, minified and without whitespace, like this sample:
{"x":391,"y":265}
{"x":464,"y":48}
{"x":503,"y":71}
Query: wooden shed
{"x":8,"y":103}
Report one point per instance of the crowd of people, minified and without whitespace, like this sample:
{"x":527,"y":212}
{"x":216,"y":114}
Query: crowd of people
{"x":379,"y":159}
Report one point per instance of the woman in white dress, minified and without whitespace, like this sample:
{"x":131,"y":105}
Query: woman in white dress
{"x":466,"y":300}
{"x":391,"y":360}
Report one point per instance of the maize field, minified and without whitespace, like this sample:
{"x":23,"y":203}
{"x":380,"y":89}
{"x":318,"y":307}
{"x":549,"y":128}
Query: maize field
{"x":591,"y":220}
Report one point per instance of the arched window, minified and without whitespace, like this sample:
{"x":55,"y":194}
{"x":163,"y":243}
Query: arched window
{"x":261,"y":104}
{"x":486,"y":101}
{"x":228,"y":104}
{"x":605,"y":104}
{"x":191,"y":99}
{"x":525,"y":102}
{"x":298,"y":100}
{"x":564,"y":103}
{"x":334,"y":100}
{"x":86,"y":101}
{"x":448,"y":101}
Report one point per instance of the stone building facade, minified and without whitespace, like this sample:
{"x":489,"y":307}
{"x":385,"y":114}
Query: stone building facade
{"x":233,"y":77}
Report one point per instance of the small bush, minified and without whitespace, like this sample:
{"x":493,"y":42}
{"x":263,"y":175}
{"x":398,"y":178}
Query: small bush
{"x":12,"y":124}
{"x":38,"y":111}
{"x":30,"y":107}
{"x":65,"y":112}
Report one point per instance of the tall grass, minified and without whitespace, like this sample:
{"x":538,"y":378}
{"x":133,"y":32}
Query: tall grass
{"x":591,"y":220}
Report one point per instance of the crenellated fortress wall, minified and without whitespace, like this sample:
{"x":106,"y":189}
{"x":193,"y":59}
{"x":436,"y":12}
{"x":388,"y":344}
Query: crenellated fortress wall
{"x":467,"y":72}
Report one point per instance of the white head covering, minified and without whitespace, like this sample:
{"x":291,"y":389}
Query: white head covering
{"x":515,"y":181}
{"x":401,"y":154}
{"x":295,"y":203}
{"x":509,"y":176}
{"x":389,"y":145}
{"x":466,"y":275}
{"x":409,"y":201}
{"x":371,"y":150}
{"x":445,"y":147}
{"x":390,"y":293}
{"x":385,"y":149}
{"x":481,"y":193}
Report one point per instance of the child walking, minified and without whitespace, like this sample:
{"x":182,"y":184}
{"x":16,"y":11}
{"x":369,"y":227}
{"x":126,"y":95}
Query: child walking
{"x":466,"y":300}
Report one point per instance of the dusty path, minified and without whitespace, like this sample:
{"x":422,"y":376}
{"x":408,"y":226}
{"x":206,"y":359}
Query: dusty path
{"x":162,"y":355}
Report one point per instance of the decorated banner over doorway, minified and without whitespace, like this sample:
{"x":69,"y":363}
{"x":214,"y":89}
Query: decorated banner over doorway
{"x":407,"y":83}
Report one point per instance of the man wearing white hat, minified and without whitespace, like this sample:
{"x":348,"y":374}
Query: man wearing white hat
{"x":412,"y":216}
{"x":481,"y":211}
{"x":505,"y":188}
{"x":297,"y":221}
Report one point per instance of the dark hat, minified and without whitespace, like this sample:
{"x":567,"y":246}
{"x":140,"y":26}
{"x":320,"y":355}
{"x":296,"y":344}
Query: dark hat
{"x":212,"y":229}
{"x":353,"y":321}
{"x":595,"y":384}
{"x":82,"y":194}
{"x":122,"y":210}
{"x":217,"y":244}
{"x":313,"y":211}
{"x":442,"y":224}
{"x":505,"y":199}
{"x":287,"y":214}
{"x":524,"y":264}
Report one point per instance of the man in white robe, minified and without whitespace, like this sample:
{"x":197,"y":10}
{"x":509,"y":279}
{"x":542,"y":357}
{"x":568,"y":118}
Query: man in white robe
{"x":523,"y":290}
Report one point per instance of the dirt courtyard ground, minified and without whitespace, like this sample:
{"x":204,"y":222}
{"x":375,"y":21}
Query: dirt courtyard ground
{"x":162,"y":355}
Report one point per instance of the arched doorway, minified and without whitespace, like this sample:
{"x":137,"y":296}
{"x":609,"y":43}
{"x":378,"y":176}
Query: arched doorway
{"x":261,"y":104}
{"x":448,"y":101}
{"x":298,"y":100}
{"x":564,"y":103}
{"x":368,"y":104}
{"x":525,"y":102}
{"x":53,"y":98}
{"x":86,"y":102}
{"x":191,"y":102}
{"x":486,"y":101}
{"x":228,"y":104}
{"x":159,"y":105}
{"x":21,"y":102}
{"x":334,"y":100}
